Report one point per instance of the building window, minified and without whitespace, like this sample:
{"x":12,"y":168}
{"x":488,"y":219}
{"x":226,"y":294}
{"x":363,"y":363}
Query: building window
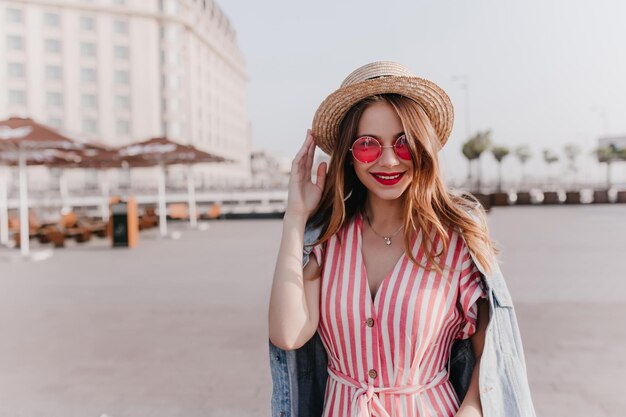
{"x":171,"y":6}
{"x":15,"y":70}
{"x":17,"y":97}
{"x":171,"y":81}
{"x":55,"y":122}
{"x":121,"y":77}
{"x":120,"y":26}
{"x":88,"y":75}
{"x":53,"y":72}
{"x":174,"y":105}
{"x":54,"y":99}
{"x":90,"y":126}
{"x":89,"y":101}
{"x":15,"y":43}
{"x":169,"y":32}
{"x":120,"y":52}
{"x":87,"y":23}
{"x":52,"y":19}
{"x":122,"y":102}
{"x":14,"y":16}
{"x":88,"y":49}
{"x":122,"y":127}
{"x":173,"y":58}
{"x":52,"y":46}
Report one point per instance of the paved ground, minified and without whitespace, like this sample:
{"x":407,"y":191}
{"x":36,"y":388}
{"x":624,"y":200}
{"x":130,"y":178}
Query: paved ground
{"x":179,"y":327}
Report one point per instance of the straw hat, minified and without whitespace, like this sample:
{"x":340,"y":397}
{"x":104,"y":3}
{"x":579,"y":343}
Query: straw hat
{"x":379,"y":78}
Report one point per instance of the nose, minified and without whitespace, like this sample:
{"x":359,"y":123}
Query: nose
{"x":388,"y":158}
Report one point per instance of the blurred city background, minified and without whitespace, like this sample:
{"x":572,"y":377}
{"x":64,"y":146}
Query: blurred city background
{"x":168,"y":127}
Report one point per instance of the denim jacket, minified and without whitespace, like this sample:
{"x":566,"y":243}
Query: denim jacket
{"x":299,"y":376}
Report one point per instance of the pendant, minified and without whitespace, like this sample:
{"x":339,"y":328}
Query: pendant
{"x":387,"y":240}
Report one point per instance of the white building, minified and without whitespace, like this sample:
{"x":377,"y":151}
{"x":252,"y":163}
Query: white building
{"x":119,"y":71}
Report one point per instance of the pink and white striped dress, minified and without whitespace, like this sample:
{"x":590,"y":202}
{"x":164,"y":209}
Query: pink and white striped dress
{"x":388,"y":357}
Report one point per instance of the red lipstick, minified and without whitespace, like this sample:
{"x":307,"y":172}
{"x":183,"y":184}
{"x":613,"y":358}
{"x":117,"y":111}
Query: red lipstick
{"x":388,"y":178}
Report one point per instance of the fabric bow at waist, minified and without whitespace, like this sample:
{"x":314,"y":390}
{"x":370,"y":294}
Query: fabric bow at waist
{"x":365,"y":393}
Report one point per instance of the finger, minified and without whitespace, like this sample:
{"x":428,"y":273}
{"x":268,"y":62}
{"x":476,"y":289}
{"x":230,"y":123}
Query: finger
{"x":310,"y":150}
{"x":321,"y":175}
{"x":310,"y":158}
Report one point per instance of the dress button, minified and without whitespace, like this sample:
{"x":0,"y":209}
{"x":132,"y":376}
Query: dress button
{"x":372,"y":373}
{"x":370,"y":322}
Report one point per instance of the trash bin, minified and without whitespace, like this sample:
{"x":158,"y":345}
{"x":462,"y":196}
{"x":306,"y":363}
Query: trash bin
{"x":124,"y":223}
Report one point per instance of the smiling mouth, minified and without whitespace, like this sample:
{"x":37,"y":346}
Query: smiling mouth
{"x":390,"y":178}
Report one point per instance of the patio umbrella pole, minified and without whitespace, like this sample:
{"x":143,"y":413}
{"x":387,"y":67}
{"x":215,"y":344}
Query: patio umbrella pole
{"x":104,"y":187}
{"x":4,"y":207}
{"x":24,"y":235}
{"x":162,"y":206}
{"x":191,"y":194}
{"x":162,"y":151}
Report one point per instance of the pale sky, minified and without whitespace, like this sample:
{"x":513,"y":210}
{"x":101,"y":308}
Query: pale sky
{"x":541,"y":72}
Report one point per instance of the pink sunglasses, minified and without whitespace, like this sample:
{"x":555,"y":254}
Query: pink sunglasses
{"x":368,"y":149}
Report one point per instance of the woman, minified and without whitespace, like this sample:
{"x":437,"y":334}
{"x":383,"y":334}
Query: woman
{"x":399,"y":266}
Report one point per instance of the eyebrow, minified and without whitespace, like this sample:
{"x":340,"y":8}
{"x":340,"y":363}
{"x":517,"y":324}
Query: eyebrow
{"x":397,"y":135}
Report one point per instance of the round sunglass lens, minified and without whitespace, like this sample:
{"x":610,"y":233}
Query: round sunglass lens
{"x":402,"y":148}
{"x":366,"y":149}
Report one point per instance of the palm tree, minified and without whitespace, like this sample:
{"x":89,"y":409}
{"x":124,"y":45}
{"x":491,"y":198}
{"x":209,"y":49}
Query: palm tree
{"x":523,"y":153}
{"x":607,"y":155}
{"x":481,"y":141}
{"x":500,"y":152}
{"x":549,"y":157}
{"x":470,"y":154}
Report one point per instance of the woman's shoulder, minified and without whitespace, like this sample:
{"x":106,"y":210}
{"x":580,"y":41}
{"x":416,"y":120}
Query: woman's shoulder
{"x":312,"y":233}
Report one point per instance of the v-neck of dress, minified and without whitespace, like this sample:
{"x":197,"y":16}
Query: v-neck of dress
{"x":388,"y":276}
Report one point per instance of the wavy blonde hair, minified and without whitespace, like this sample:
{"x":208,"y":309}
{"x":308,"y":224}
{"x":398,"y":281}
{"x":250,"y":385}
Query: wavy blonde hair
{"x":428,"y":203}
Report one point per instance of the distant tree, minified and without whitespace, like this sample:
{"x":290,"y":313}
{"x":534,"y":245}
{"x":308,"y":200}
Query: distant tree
{"x":470,"y":154}
{"x":500,"y":152}
{"x":571,"y":151}
{"x":523,"y":153}
{"x":608,"y":155}
{"x":549,"y":158}
{"x":480,"y":142}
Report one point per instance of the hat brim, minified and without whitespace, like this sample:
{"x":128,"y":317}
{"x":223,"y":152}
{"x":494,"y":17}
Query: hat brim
{"x":431,"y":97}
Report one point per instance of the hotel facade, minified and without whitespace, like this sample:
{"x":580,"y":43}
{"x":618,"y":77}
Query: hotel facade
{"x":121,"y":71}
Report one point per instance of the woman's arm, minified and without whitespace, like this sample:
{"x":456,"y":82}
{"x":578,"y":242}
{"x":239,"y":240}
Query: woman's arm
{"x":471,"y":407}
{"x":294,"y":302}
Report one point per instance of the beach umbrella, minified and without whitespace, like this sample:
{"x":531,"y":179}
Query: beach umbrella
{"x":25,"y":142}
{"x":22,"y":159}
{"x":162,"y":152}
{"x":102,"y":159}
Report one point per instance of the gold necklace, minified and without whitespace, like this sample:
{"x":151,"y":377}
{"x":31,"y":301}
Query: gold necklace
{"x":387,"y":239}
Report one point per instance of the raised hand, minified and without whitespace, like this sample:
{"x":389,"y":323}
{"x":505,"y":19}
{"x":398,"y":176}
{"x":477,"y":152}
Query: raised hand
{"x":304,"y":195}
